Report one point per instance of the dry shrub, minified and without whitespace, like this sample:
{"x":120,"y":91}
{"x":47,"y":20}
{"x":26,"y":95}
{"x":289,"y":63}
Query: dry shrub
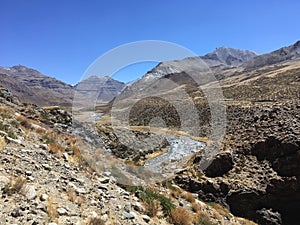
{"x":56,"y":148}
{"x":196,"y":207}
{"x":153,"y":207}
{"x":175,"y":193}
{"x":95,"y":221}
{"x":188,"y":196}
{"x":181,"y":216}
{"x":14,"y":185}
{"x":24,"y":122}
{"x":52,"y":209}
{"x":2,"y":143}
{"x":221,"y":210}
{"x":72,"y":196}
{"x":5,"y":113}
{"x":204,"y":218}
{"x":19,"y":183}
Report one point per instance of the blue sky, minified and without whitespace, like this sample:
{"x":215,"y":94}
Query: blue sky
{"x":61,"y":38}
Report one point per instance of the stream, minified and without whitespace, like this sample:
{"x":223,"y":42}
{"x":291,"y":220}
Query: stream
{"x":179,"y":148}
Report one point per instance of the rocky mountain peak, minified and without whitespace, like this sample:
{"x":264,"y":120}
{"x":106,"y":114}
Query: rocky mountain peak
{"x":230,"y":56}
{"x":102,"y":88}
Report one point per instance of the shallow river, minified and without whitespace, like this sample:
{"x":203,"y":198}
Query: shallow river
{"x":179,"y":148}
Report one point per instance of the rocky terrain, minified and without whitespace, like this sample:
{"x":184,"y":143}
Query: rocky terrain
{"x":45,"y":178}
{"x":101,"y":89}
{"x":256,"y":172}
{"x":57,"y":171}
{"x":32,"y":86}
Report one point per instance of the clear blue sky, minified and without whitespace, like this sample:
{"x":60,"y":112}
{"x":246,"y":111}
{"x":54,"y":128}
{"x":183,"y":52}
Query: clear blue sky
{"x":61,"y":38}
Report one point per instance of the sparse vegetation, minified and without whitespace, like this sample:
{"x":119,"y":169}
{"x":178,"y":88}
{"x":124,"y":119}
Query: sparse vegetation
{"x":14,"y":185}
{"x":5,"y":113}
{"x":148,"y":196}
{"x":181,"y":216}
{"x":2,"y":143}
{"x":52,"y":209}
{"x":188,"y":196}
{"x":7,"y":130}
{"x":24,"y":122}
{"x":95,"y":221}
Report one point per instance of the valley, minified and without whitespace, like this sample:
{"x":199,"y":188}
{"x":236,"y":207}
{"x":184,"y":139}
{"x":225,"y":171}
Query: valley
{"x":175,"y":142}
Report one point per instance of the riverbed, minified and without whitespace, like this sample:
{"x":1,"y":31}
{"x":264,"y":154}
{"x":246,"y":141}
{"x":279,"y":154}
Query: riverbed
{"x":180,"y":148}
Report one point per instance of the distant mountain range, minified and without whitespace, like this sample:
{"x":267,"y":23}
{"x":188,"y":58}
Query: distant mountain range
{"x":30,"y":85}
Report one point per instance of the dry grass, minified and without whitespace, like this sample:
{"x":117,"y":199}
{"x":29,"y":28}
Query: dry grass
{"x":2,"y":143}
{"x":95,"y":221}
{"x":5,"y":113}
{"x":204,"y":218}
{"x":181,"y":216}
{"x":153,"y":207}
{"x":24,"y":122}
{"x":15,"y":185}
{"x":52,"y":209}
{"x":221,"y":210}
{"x":73,"y":197}
{"x":196,"y":207}
{"x":56,"y":148}
{"x":188,"y":196}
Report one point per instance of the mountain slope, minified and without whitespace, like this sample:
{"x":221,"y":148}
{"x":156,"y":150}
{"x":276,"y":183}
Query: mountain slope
{"x":280,"y":55}
{"x":100,"y":88}
{"x":29,"y":85}
{"x":256,"y":171}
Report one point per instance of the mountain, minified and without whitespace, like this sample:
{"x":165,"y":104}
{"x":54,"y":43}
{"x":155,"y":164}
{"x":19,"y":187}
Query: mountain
{"x":255,"y":171}
{"x":225,"y":56}
{"x":29,"y":85}
{"x":283,"y":54}
{"x":221,"y":58}
{"x":102,"y":88}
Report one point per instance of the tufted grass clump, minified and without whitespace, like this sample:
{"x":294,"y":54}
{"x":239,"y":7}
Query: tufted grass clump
{"x":152,"y":200}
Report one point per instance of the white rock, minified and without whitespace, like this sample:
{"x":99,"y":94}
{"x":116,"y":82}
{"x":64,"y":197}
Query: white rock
{"x":3,"y":181}
{"x":80,"y":191}
{"x":15,"y":141}
{"x":104,"y":180}
{"x":146,"y":218}
{"x":66,"y":156}
{"x":138,"y":207}
{"x":93,"y":214}
{"x":104,"y":217}
{"x":44,"y":197}
{"x":30,"y":192}
{"x":62,"y":211}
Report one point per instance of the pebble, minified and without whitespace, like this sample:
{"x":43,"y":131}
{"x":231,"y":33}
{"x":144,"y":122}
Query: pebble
{"x":146,"y":218}
{"x":30,"y":192}
{"x":138,"y":207}
{"x":44,"y":197}
{"x":127,"y":207}
{"x":104,"y":180}
{"x":128,"y":216}
{"x":80,"y":191}
{"x":62,"y":211}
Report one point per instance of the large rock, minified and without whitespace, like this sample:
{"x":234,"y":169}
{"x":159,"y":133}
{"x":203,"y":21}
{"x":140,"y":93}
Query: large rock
{"x":220,"y":165}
